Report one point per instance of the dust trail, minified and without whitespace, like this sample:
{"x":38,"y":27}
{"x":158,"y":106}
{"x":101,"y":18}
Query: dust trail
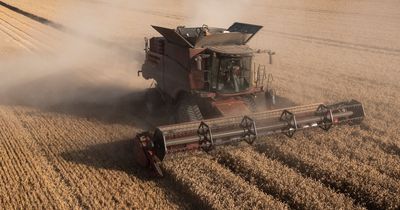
{"x":216,"y":13}
{"x":78,"y":68}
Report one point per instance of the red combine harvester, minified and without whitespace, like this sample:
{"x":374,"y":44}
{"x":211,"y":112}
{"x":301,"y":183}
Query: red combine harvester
{"x":207,"y":79}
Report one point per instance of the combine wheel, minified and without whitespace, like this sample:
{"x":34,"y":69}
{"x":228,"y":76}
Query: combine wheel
{"x":153,"y":101}
{"x":188,"y":111}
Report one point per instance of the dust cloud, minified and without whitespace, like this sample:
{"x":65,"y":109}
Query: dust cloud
{"x":216,"y":13}
{"x":87,"y":61}
{"x":95,"y":57}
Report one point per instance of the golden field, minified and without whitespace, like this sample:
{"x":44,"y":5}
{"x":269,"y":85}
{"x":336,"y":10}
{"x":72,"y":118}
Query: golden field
{"x":70,"y":106}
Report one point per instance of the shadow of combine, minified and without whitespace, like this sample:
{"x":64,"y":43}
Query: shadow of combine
{"x":118,"y":155}
{"x":126,"y":109}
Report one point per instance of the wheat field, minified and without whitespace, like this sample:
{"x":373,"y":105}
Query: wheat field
{"x":71,"y":103}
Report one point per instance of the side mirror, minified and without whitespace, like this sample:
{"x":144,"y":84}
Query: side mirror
{"x":270,"y":54}
{"x":146,"y":44}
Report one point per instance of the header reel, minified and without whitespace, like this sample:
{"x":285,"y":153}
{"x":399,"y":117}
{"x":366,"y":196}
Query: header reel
{"x":151,"y":148}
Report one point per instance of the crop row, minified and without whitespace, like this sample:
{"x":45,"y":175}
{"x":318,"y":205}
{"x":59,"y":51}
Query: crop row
{"x":360,"y":148}
{"x":216,"y":186}
{"x":276,"y":179}
{"x":26,"y":181}
{"x":364,"y":183}
{"x":88,"y":162}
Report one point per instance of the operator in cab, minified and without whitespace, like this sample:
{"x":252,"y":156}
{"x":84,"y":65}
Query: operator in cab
{"x":231,"y":80}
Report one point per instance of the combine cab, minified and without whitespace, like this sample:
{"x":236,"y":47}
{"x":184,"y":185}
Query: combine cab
{"x":207,"y":78}
{"x":204,"y":72}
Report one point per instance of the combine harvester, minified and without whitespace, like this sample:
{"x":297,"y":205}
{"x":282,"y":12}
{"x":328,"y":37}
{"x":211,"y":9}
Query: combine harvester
{"x":207,"y":79}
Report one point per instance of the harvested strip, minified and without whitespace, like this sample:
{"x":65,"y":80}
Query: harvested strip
{"x":216,"y":186}
{"x":104,"y":177}
{"x":280,"y":181}
{"x":27,"y":180}
{"x":362,"y":182}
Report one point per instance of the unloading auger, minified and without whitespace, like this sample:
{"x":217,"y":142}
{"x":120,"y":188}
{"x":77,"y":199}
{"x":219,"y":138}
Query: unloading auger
{"x":152,"y":147}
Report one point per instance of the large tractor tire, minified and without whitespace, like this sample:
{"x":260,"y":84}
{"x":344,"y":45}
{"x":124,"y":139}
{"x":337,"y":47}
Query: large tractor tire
{"x":188,"y":111}
{"x":153,"y":101}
